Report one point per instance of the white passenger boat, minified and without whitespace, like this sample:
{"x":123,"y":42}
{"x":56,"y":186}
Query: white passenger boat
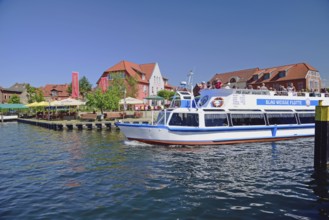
{"x":226,"y":116}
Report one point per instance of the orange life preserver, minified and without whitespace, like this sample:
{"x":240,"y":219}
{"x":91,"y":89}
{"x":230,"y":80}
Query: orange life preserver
{"x":218,"y":102}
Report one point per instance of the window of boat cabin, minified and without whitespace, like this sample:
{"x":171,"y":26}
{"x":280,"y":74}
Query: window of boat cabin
{"x":281,"y":118}
{"x":306,"y":118}
{"x":161,"y":117}
{"x":184,"y":119}
{"x":247,"y":119}
{"x":214,"y":120}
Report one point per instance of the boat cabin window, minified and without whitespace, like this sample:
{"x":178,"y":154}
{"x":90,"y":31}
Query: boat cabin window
{"x":175,"y":103}
{"x":281,"y":118}
{"x":214,"y":120}
{"x":306,"y":118}
{"x":247,"y":119}
{"x":161,"y":117}
{"x":184,"y":119}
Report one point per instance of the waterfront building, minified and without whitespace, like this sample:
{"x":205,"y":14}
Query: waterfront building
{"x":55,"y":91}
{"x":148,"y":77}
{"x":302,"y":76}
{"x":19,"y":89}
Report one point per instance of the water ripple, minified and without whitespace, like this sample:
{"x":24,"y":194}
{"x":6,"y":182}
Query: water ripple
{"x":98,"y":175}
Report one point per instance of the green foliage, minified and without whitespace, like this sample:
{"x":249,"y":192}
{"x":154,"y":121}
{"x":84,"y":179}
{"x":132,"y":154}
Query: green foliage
{"x":166,"y":94}
{"x":84,"y":86}
{"x":110,"y":99}
{"x":132,"y":84}
{"x":34,"y":94}
{"x":14,"y":99}
{"x":99,"y":100}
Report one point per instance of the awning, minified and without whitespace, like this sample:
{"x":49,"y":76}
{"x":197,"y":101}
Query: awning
{"x":71,"y":102}
{"x":131,"y":101}
{"x":12,"y":106}
{"x":154,"y":97}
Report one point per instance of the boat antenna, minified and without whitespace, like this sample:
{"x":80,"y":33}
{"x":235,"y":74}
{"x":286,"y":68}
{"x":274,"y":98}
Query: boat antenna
{"x":190,"y":80}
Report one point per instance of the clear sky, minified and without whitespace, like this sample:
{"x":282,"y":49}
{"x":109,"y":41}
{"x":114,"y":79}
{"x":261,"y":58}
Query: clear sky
{"x":43,"y":41}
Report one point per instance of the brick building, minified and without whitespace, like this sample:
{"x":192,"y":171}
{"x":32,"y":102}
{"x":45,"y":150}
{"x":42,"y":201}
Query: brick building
{"x":55,"y":91}
{"x":302,"y":75}
{"x":148,"y":76}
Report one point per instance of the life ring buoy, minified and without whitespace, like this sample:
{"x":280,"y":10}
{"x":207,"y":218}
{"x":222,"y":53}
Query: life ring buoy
{"x":218,"y":102}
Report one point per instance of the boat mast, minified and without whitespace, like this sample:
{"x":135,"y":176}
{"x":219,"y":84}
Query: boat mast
{"x":190,"y":81}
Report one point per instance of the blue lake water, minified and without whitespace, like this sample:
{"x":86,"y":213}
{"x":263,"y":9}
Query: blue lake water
{"x":48,"y":174}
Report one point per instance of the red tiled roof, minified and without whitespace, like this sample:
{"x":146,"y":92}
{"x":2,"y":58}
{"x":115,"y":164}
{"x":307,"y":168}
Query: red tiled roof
{"x":148,"y":69}
{"x":61,"y":90}
{"x":244,"y":75}
{"x":132,"y":69}
{"x":293,"y":71}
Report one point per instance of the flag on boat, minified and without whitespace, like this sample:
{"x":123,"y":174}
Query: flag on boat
{"x":75,"y":85}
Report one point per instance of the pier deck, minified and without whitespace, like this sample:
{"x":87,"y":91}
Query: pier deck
{"x":78,"y":125}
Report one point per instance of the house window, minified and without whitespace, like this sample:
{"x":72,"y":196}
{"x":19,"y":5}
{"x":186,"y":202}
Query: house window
{"x":143,"y":77}
{"x":53,"y":93}
{"x":110,"y":77}
{"x":267,"y":76}
{"x":282,"y":74}
{"x":233,"y":80}
{"x":144,"y":88}
{"x":316,"y":85}
{"x":255,"y":77}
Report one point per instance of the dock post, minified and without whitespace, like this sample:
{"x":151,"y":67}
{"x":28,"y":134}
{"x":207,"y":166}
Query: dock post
{"x":69,"y":126}
{"x":108,"y":125}
{"x":321,"y":144}
{"x":79,"y":126}
{"x":89,"y":126}
{"x":98,"y":126}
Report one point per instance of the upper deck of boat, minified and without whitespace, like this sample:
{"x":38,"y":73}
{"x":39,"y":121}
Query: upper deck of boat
{"x":227,"y":92}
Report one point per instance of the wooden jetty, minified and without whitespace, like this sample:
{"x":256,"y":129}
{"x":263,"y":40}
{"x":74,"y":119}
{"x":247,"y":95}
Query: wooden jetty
{"x":76,"y":124}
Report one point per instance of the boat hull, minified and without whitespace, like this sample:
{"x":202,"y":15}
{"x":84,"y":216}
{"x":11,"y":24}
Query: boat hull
{"x":196,"y":136}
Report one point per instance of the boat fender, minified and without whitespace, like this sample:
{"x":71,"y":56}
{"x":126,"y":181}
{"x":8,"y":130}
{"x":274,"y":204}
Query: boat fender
{"x":218,"y":102}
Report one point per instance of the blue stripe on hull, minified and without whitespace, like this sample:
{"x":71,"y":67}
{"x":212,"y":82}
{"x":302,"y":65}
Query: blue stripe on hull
{"x":218,"y":142}
{"x":238,"y":128}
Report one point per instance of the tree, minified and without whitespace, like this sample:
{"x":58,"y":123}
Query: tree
{"x":99,"y":100}
{"x":132,"y":85}
{"x":84,"y":87}
{"x":166,"y":94}
{"x":34,"y":94}
{"x":14,"y":99}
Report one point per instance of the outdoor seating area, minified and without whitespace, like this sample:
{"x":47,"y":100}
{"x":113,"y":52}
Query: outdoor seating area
{"x":114,"y":115}
{"x":88,"y":116}
{"x":56,"y":115}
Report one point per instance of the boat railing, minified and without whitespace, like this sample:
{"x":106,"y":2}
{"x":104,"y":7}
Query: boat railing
{"x":278,"y":93}
{"x":251,"y":92}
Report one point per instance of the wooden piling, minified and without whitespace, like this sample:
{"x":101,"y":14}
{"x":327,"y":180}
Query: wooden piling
{"x":321,"y":144}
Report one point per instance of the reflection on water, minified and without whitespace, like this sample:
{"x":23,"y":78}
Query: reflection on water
{"x":98,"y":174}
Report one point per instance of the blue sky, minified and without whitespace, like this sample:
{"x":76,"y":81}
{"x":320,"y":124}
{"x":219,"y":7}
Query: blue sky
{"x":43,"y":41}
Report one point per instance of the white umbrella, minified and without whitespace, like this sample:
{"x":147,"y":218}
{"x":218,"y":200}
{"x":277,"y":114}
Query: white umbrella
{"x":71,"y":102}
{"x":55,"y":103}
{"x":131,"y":101}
